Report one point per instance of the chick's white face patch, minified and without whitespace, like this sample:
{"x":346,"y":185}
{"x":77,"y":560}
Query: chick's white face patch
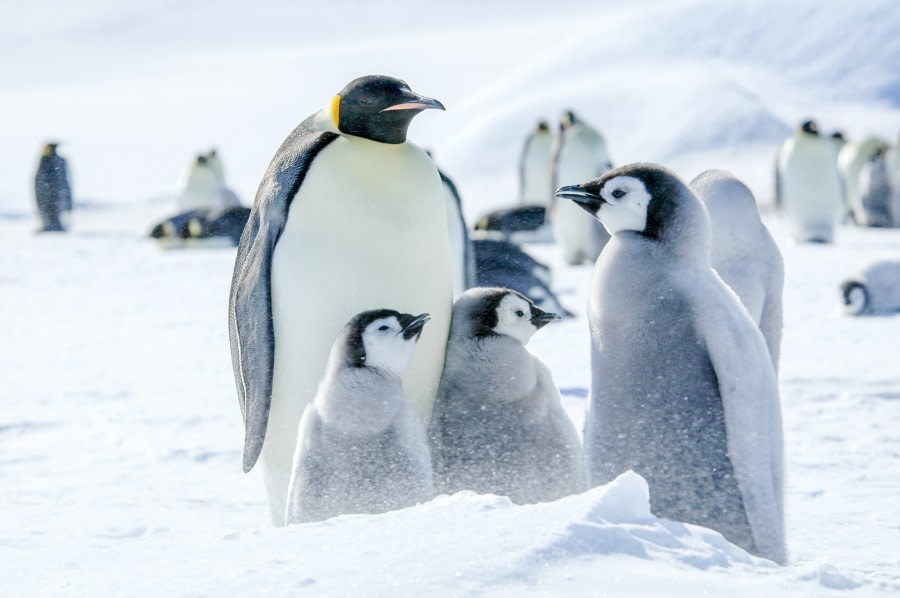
{"x":514,"y":318}
{"x":625,"y":208}
{"x":385,"y":346}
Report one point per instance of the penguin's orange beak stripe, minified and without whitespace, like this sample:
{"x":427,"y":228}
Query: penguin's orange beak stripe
{"x":407,"y":106}
{"x":336,"y":110}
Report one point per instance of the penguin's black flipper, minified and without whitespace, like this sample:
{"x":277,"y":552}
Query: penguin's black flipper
{"x":250,"y":326}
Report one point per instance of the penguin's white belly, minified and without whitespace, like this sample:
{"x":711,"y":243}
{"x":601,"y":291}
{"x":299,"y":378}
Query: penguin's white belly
{"x":811,"y":190}
{"x":574,"y":229}
{"x":537,"y":188}
{"x":367,"y":230}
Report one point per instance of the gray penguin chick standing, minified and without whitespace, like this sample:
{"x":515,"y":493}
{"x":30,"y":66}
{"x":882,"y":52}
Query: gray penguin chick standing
{"x":683,"y":391}
{"x":361,"y":448}
{"x":498,"y":425}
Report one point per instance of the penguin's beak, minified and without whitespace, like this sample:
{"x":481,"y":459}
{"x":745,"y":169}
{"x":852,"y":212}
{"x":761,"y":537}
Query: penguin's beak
{"x":588,"y":200}
{"x":540,"y":318}
{"x":414,"y":327}
{"x":416,"y":102}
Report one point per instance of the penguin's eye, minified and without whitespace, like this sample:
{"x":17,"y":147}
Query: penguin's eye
{"x":383,"y":328}
{"x":520,"y":313}
{"x":618,"y":194}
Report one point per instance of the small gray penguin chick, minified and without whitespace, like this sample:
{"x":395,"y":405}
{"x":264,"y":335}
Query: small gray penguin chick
{"x":498,"y":425}
{"x":361,"y":448}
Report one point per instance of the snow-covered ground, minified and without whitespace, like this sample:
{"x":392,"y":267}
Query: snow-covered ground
{"x":120,"y":434}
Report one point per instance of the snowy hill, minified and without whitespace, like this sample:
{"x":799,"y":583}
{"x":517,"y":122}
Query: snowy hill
{"x":120,"y":434}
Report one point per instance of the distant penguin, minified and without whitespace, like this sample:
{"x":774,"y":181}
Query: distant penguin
{"x":810,"y":187}
{"x":873,"y":204}
{"x":202,"y":185}
{"x":744,"y":253}
{"x":361,"y":448}
{"x":498,"y":424}
{"x":521,"y":224}
{"x":227,"y":198}
{"x":892,"y":162}
{"x":349,"y":216}
{"x":683,"y":390}
{"x":187,"y":228}
{"x":874,"y":291}
{"x":462,"y":256}
{"x":852,"y":157}
{"x":579,"y":153}
{"x":535,"y":182}
{"x":500,"y":263}
{"x":52,"y":192}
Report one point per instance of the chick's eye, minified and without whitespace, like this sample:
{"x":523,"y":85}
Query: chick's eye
{"x":383,"y":328}
{"x":618,"y":194}
{"x":520,"y":313}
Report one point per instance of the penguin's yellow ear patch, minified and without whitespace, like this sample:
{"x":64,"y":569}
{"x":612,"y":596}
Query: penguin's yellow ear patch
{"x":336,"y":110}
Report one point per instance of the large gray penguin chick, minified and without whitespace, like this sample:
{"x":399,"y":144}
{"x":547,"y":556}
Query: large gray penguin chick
{"x":498,"y":425}
{"x":744,"y":253}
{"x":361,"y":448}
{"x":683,"y":391}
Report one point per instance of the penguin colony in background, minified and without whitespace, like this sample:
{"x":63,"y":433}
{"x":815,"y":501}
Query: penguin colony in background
{"x":683,"y":390}
{"x":349,"y":217}
{"x":52,"y":192}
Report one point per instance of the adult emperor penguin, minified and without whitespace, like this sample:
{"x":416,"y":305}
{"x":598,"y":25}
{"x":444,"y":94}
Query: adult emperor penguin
{"x":683,"y":390}
{"x":360,"y":446}
{"x":52,"y":192}
{"x":744,"y":253}
{"x":579,"y":153}
{"x":348,"y":217}
{"x":809,"y":185}
{"x":498,"y":425}
{"x":535,"y":184}
{"x":462,"y":254}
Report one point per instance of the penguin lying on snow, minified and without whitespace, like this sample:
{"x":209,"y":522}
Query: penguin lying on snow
{"x":683,"y":390}
{"x":360,"y":446}
{"x":349,"y":216}
{"x":876,"y":290}
{"x":744,"y":253}
{"x":498,"y":424}
{"x":521,"y":224}
{"x":503,"y":264}
{"x":186,"y":228}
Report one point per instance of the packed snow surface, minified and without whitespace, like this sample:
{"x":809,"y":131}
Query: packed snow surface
{"x":120,"y":433}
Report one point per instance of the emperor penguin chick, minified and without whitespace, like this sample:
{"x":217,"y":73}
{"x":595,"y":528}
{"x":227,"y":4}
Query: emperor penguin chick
{"x":744,"y":253}
{"x":498,"y":425}
{"x":361,"y":448}
{"x":683,"y":391}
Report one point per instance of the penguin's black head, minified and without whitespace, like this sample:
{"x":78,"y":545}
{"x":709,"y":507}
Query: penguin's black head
{"x":543,"y":127}
{"x":50,"y":148}
{"x":201,"y":159}
{"x":379,"y":108}
{"x":638,"y":197}
{"x":567,"y":119}
{"x":380,"y":338}
{"x":810,"y":126}
{"x":493,"y":311}
{"x":855,"y":297}
{"x":838,"y":136}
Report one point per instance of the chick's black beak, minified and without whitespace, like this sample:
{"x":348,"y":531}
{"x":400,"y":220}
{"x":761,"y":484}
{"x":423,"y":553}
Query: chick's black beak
{"x":414,"y":327}
{"x":588,"y":200}
{"x":540,"y":318}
